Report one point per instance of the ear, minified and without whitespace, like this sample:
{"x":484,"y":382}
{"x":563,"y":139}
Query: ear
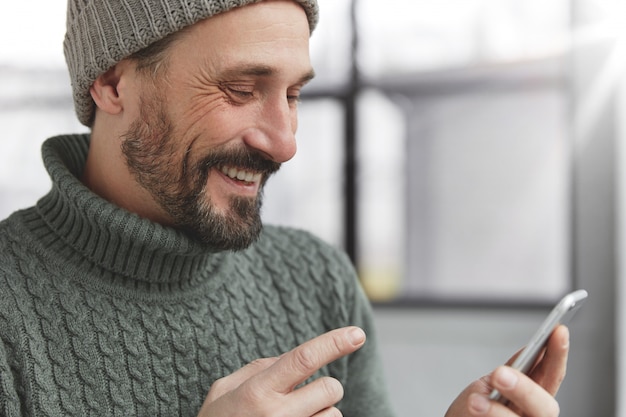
{"x":105,"y":90}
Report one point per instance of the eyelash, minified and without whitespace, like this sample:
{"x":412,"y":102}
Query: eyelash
{"x":243,"y":94}
{"x":293,"y":98}
{"x":240,"y":93}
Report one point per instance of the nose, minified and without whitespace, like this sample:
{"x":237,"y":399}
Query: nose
{"x":274,"y":135}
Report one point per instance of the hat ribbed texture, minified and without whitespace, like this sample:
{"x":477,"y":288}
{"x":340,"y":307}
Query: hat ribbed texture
{"x":100,"y":33}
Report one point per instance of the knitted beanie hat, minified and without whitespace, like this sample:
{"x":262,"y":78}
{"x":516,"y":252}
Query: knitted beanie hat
{"x":100,"y":33}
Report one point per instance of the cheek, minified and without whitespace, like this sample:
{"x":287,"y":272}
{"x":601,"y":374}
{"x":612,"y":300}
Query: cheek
{"x":132,"y":113}
{"x":208,"y":115}
{"x":204,"y":106}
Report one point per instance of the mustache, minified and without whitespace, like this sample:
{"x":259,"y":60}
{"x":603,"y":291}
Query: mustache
{"x":241,"y":158}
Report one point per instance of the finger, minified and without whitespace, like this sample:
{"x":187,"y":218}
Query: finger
{"x":321,"y":394}
{"x":550,"y":372}
{"x":329,"y":412}
{"x":234,"y":380}
{"x":302,"y":362}
{"x":480,"y":405}
{"x":524,"y":393}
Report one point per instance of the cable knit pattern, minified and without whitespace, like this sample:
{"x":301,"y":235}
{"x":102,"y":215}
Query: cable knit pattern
{"x":103,"y":313}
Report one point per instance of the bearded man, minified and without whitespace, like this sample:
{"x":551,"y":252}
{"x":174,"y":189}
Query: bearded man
{"x":144,"y":282}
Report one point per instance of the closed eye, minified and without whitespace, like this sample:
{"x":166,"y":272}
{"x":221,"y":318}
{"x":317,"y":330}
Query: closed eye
{"x":240,"y":93}
{"x":293,"y":95}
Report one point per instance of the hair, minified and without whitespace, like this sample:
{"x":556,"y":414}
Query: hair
{"x":153,"y":59}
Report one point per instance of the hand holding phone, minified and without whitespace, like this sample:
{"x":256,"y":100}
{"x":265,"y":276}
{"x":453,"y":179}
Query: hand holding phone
{"x":560,"y":314}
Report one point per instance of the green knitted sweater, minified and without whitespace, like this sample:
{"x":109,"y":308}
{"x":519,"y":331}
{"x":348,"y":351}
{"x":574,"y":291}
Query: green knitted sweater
{"x":103,"y":313}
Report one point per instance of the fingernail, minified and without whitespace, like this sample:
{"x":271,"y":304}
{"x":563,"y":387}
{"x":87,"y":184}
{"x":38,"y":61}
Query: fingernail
{"x":506,"y":378}
{"x":478,"y":404}
{"x":356,"y":336}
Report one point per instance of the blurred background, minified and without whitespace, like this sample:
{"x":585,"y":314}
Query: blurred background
{"x":467,"y":154}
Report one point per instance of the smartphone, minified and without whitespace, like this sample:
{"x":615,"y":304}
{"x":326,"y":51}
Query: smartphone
{"x":560,"y":314}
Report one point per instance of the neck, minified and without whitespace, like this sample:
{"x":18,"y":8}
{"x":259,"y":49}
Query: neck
{"x":106,"y":174}
{"x":83,"y":226}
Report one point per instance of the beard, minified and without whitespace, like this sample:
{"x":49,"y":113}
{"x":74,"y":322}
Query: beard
{"x":150,"y":147}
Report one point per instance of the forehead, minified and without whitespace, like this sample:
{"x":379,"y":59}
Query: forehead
{"x":269,"y":33}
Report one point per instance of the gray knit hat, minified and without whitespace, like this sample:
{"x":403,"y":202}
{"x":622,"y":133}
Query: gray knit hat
{"x":100,"y":33}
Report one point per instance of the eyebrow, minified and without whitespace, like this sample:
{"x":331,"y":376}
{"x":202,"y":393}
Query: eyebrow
{"x":263,"y":71}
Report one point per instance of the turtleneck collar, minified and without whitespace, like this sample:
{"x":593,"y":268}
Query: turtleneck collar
{"x":78,"y":223}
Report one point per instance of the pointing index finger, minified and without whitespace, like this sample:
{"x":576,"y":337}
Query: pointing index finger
{"x":295,"y":366}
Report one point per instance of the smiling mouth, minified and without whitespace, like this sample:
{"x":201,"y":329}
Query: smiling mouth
{"x":241,"y":174}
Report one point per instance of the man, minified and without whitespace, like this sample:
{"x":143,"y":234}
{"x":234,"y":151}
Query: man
{"x":144,"y":282}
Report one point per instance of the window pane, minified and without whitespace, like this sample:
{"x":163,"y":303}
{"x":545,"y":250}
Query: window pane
{"x":382,"y":195}
{"x":489,"y":195}
{"x":331,"y":44}
{"x":464,"y":149}
{"x":418,"y":35}
{"x":485,"y":186}
{"x":37,"y":43}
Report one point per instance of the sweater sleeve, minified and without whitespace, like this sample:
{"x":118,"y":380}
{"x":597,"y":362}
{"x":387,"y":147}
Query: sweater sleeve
{"x":366,"y":392}
{"x":9,"y":395}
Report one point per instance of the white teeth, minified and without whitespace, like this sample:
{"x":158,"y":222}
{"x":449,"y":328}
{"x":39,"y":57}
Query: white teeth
{"x":241,"y":175}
